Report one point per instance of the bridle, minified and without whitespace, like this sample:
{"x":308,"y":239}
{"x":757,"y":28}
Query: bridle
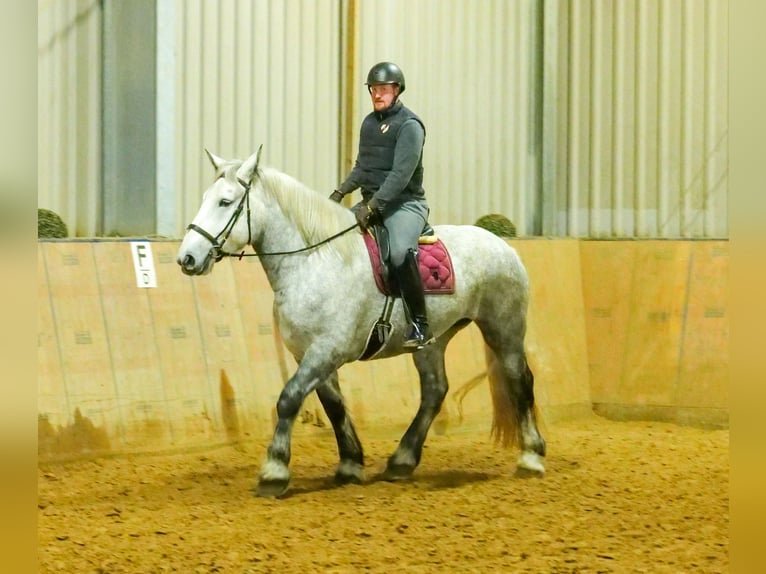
{"x":217,"y":252}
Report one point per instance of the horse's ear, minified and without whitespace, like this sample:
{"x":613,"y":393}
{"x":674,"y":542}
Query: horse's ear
{"x":249,"y":168}
{"x":215,"y":160}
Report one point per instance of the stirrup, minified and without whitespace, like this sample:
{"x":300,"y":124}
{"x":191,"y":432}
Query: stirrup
{"x":417,"y":339}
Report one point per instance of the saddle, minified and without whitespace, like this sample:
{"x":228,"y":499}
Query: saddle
{"x":434,"y":263}
{"x":436,"y":272}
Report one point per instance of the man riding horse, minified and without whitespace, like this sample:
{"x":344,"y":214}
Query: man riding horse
{"x":389,"y":171}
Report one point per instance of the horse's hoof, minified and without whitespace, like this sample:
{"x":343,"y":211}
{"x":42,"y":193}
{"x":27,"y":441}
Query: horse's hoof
{"x":343,"y":479}
{"x":349,"y":472}
{"x":397,"y":472}
{"x":527,"y":473}
{"x":271,"y":488}
{"x":530,"y":465}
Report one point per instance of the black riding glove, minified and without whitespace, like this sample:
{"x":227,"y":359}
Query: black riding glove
{"x":336,"y":196}
{"x":368,"y":211}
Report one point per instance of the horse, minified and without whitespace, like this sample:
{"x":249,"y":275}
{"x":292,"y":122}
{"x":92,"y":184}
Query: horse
{"x":326,"y":301}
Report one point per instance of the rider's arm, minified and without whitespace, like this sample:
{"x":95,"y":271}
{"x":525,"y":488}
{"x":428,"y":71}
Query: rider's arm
{"x":409,"y":146}
{"x":352,"y":181}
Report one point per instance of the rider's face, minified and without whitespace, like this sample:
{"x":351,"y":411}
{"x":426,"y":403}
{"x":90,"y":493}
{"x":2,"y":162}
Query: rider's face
{"x":383,"y":95}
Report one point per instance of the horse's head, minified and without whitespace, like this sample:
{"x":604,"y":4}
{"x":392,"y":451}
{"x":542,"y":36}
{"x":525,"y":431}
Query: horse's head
{"x":222,"y":223}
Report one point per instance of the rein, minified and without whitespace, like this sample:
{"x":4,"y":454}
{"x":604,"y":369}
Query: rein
{"x":217,"y":248}
{"x":302,"y":249}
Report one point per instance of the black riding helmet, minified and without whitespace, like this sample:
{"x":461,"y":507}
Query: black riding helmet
{"x":385,"y":73}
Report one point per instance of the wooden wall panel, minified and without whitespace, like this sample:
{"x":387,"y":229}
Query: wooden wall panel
{"x":144,"y":416}
{"x":658,"y":330}
{"x":607,"y":283}
{"x":704,"y":367}
{"x":657,"y":298}
{"x":52,"y":397}
{"x":189,"y":395}
{"x":86,"y":366}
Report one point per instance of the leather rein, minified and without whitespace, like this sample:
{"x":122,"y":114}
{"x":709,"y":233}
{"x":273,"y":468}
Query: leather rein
{"x":217,"y":251}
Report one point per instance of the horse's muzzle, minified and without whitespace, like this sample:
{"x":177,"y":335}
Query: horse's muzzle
{"x":188,"y":264}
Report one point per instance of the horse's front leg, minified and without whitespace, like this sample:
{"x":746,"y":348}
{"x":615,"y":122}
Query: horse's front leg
{"x":274,"y":477}
{"x":351,"y":465}
{"x":429,"y":362}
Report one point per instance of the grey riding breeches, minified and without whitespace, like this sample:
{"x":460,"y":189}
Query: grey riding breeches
{"x":404,"y":226}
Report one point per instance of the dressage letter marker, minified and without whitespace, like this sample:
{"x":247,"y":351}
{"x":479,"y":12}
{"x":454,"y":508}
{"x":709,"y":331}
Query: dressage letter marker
{"x":143,"y":263}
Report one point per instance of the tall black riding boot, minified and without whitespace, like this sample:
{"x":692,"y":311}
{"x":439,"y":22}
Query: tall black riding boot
{"x":411,"y":287}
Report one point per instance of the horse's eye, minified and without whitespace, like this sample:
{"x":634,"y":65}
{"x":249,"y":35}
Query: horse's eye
{"x":224,"y":202}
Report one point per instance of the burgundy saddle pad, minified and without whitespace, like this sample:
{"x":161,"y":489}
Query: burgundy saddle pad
{"x":433,"y":260}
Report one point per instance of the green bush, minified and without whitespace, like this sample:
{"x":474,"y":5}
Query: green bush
{"x":498,"y":224}
{"x":50,"y":225}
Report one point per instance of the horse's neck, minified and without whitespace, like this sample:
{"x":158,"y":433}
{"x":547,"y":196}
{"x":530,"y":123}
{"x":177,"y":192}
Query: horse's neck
{"x":278,"y":235}
{"x":283,"y":224}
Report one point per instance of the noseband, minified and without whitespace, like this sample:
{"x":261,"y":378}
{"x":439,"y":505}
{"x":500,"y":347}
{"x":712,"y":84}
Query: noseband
{"x":216,"y":251}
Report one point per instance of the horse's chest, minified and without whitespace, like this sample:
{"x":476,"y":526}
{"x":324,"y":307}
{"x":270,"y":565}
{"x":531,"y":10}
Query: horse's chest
{"x":300,"y":316}
{"x":312,"y":312}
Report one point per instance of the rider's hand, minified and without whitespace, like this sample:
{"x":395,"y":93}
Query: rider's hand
{"x":336,"y":196}
{"x":363,"y":214}
{"x":368,"y":211}
{"x":375,"y":208}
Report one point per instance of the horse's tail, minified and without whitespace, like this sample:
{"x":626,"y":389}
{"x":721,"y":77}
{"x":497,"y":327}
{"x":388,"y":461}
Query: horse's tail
{"x":505,"y":415}
{"x":510,"y":398}
{"x":513,"y":401}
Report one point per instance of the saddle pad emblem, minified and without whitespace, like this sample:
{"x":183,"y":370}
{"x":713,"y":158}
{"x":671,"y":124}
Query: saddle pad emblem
{"x":434,"y":263}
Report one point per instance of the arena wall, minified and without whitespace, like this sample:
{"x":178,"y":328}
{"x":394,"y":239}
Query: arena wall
{"x":628,"y":329}
{"x":657,"y":329}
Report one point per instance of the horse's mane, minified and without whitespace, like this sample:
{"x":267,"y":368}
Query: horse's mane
{"x":313,"y":215}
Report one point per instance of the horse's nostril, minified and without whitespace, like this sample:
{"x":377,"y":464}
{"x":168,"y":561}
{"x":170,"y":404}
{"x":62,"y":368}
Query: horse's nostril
{"x":188,"y":262}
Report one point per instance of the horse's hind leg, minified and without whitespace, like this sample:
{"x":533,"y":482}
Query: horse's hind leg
{"x":429,"y":362}
{"x":351,"y":465}
{"x":532,"y":442}
{"x":512,"y":386}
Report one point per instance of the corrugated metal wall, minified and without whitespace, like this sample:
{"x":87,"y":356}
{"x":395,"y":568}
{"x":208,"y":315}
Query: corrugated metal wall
{"x":645,"y":148}
{"x":253,"y":72}
{"x":471,"y":72}
{"x":69,"y":111}
{"x":573,"y":118}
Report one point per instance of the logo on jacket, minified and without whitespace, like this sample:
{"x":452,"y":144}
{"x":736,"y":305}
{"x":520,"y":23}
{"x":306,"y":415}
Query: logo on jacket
{"x":384,"y":128}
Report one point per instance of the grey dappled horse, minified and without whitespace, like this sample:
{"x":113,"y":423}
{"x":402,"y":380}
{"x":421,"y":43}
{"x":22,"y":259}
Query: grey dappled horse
{"x":326,"y":301}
